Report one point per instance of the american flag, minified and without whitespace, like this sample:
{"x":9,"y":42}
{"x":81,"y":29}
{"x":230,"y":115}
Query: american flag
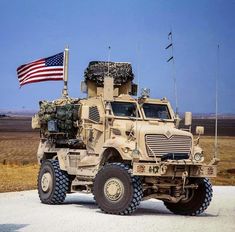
{"x":45,"y":69}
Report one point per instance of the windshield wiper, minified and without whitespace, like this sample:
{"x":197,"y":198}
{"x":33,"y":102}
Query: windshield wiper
{"x":162,"y":119}
{"x":132,"y":118}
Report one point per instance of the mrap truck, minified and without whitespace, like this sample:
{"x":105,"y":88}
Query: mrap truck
{"x":122,"y":148}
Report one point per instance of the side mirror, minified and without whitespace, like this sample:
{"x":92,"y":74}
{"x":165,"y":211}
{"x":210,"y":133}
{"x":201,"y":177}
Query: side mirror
{"x":188,"y":119}
{"x":177,"y":121}
{"x":83,"y":87}
{"x":199,"y":130}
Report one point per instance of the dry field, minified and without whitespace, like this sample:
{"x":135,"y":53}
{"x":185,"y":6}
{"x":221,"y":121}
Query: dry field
{"x":18,"y":164}
{"x":18,"y":147}
{"x":18,"y":177}
{"x":226,"y":166}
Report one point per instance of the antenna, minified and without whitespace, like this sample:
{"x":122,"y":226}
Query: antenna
{"x":108,"y":96}
{"x":138,"y":83}
{"x":170,"y":36}
{"x":135,"y":152}
{"x":216,"y":102}
{"x":138,"y":67}
{"x":109,"y":54}
{"x":108,"y":90}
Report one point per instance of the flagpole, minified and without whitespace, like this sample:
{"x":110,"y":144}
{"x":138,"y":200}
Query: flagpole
{"x":66,"y":61}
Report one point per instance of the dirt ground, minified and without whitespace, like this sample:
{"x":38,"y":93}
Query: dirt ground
{"x":18,"y":163}
{"x":18,"y":147}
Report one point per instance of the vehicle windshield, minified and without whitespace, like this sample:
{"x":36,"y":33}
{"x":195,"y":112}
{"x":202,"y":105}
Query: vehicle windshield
{"x":156,"y":111}
{"x":124,"y":109}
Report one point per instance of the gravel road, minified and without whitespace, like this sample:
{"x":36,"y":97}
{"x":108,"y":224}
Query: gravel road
{"x":22,"y":211}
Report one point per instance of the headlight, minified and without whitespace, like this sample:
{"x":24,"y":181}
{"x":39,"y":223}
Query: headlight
{"x":198,"y":157}
{"x":126,"y":149}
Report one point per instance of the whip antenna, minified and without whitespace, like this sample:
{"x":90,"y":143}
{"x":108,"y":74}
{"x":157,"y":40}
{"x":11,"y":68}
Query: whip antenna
{"x":138,"y":86}
{"x":135,"y":152}
{"x":216,"y":102}
{"x":170,"y":37}
{"x":138,"y":68}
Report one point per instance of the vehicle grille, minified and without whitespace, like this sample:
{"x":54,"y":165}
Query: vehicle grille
{"x":158,"y":145}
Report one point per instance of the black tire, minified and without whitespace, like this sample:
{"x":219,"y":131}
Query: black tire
{"x":55,"y":191}
{"x":128,"y":194}
{"x":199,"y":201}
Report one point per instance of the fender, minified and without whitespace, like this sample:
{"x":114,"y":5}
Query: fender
{"x":121,"y":145}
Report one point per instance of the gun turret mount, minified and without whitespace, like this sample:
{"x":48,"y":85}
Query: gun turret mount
{"x":120,"y":72}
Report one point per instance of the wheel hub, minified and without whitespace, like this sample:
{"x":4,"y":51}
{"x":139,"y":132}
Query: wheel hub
{"x":113,"y":189}
{"x":46,"y":182}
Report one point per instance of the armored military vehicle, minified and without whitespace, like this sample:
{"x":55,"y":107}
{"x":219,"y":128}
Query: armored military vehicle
{"x":121,"y":148}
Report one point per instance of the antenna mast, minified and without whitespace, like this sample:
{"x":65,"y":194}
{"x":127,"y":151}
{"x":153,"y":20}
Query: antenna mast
{"x":170,"y":37}
{"x":138,"y":86}
{"x":216,"y":103}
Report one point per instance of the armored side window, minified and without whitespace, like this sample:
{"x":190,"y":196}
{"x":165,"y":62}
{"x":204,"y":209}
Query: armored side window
{"x":94,"y":114}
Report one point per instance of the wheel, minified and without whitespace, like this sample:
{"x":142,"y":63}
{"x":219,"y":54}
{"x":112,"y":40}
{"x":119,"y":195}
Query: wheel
{"x":53,"y":183}
{"x":198,"y":201}
{"x":116,"y":191}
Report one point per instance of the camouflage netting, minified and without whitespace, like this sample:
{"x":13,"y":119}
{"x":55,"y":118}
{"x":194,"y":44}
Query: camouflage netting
{"x":97,"y":70}
{"x":62,"y":115}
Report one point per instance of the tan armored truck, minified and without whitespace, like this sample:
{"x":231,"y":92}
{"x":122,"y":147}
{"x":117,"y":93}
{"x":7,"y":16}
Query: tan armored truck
{"x":120,"y":148}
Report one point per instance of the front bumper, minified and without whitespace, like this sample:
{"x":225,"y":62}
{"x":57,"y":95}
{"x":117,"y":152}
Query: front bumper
{"x":174,"y":169}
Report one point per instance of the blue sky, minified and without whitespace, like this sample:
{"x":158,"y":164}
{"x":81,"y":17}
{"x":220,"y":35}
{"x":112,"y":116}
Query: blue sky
{"x":137,"y":32}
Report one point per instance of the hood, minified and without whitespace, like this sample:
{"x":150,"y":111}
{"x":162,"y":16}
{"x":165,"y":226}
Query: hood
{"x":167,"y":130}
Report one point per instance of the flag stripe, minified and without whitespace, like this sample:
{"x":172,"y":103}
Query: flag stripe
{"x":21,"y":74}
{"x":43,"y":79}
{"x":39,"y":70}
{"x":43,"y":76}
{"x":40,"y":77}
{"x":26,"y":66}
{"x":50,"y":68}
